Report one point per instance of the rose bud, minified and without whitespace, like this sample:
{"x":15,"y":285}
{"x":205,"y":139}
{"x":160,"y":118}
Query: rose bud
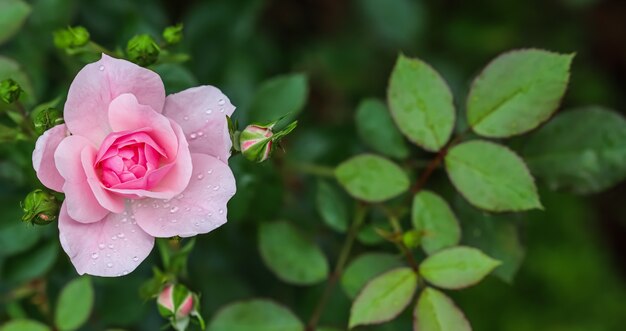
{"x":143,"y":50}
{"x":173,"y":34}
{"x":10,"y":91}
{"x":256,"y":142}
{"x":71,"y":37}
{"x":40,"y":208}
{"x":175,"y":300}
{"x":46,"y":118}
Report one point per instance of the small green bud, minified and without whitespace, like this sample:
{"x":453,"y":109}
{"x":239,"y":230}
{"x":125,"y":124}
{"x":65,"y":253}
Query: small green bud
{"x":412,"y":239}
{"x":47,"y":118}
{"x":256,"y":142}
{"x":173,"y":34}
{"x":40,"y":208}
{"x":71,"y":37}
{"x":143,"y":50}
{"x":10,"y":91}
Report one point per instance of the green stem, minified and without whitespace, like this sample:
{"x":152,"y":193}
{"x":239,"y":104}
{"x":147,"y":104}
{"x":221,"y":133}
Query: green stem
{"x":359,"y":216}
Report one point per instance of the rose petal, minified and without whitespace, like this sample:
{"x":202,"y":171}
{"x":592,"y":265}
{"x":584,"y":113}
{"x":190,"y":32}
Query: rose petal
{"x":43,"y":157}
{"x":199,"y":209}
{"x":174,"y":181}
{"x":201,"y":112}
{"x":97,"y":84}
{"x":105,"y":198}
{"x":126,"y":114}
{"x":114,"y":246}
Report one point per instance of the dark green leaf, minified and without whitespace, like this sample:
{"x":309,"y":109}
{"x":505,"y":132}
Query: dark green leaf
{"x":24,"y":325}
{"x":290,"y":255}
{"x":332,"y":206}
{"x":491,"y":177}
{"x":74,"y":305}
{"x":13,"y":13}
{"x":257,"y":315}
{"x":457,"y":267}
{"x":436,"y":312}
{"x":517,"y":91}
{"x":277,"y":97}
{"x":365,"y":267}
{"x":384,"y":297}
{"x":378,"y":130}
{"x":432,"y":216}
{"x":421,"y":103}
{"x":583,"y":150}
{"x":397,"y":22}
{"x":372,"y":178}
{"x":9,"y":68}
{"x":31,"y":264}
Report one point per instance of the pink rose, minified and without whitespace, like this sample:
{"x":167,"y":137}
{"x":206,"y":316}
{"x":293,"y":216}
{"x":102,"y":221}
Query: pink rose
{"x":135,"y":165}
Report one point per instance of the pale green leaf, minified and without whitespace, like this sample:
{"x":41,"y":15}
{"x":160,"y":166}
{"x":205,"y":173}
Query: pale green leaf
{"x":74,"y":304}
{"x":24,"y":325}
{"x":372,"y":178}
{"x":277,"y":97}
{"x":491,"y":177}
{"x":332,"y":206}
{"x":421,"y":103}
{"x":291,"y":255}
{"x":384,"y":297}
{"x":457,"y":267}
{"x":517,"y":91}
{"x":436,"y":312}
{"x":9,"y":68}
{"x":583,"y":150}
{"x":378,"y":131}
{"x":13,"y":13}
{"x":365,"y":267}
{"x":255,"y":315}
{"x":432,"y":216}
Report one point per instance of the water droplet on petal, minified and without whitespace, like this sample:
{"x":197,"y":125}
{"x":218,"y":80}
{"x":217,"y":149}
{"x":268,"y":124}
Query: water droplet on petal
{"x":200,"y":134}
{"x":209,"y":111}
{"x":94,"y":256}
{"x":101,"y":68}
{"x":196,"y":224}
{"x":135,"y":258}
{"x":167,"y":205}
{"x":174,"y":209}
{"x":200,"y":176}
{"x":186,"y":118}
{"x":124,"y":220}
{"x":210,"y":171}
{"x":108,"y":255}
{"x":125,"y":272}
{"x":222,"y":110}
{"x":221,"y":211}
{"x":120,"y":235}
{"x":114,"y":238}
{"x":193,"y":136}
{"x":221,"y":102}
{"x":101,"y":245}
{"x":187,"y":209}
{"x":111,"y":246}
{"x":216,"y":187}
{"x":109,"y":265}
{"x":180,"y":196}
{"x":174,"y":221}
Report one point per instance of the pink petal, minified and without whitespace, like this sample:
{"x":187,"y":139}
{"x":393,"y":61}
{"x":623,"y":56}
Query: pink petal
{"x":97,"y":84}
{"x":43,"y":157}
{"x":105,"y":198}
{"x":201,"y":112}
{"x":199,"y":209}
{"x":112,"y":247}
{"x":176,"y":178}
{"x":126,"y":114}
{"x":67,"y":157}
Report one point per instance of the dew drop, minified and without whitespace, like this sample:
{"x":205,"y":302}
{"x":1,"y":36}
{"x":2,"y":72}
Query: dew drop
{"x":187,"y":209}
{"x":193,"y":136}
{"x":209,"y":111}
{"x":108,"y":255}
{"x":221,"y":102}
{"x":167,"y":205}
{"x":120,"y":235}
{"x":135,"y":258}
{"x":94,"y":256}
{"x":109,"y":265}
{"x":125,"y":272}
{"x":186,"y":118}
{"x":222,"y":110}
{"x":196,"y":224}
{"x":200,"y":134}
{"x":111,"y":246}
{"x":216,"y":187}
{"x":200,"y":176}
{"x":101,"y":245}
{"x":180,"y":196}
{"x":101,"y":68}
{"x":174,"y":209}
{"x":210,"y":171}
{"x":114,"y":238}
{"x":174,"y":221}
{"x":221,"y":211}
{"x":124,"y":220}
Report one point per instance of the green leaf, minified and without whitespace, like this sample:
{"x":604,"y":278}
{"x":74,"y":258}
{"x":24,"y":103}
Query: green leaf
{"x":384,"y":298}
{"x":372,"y":178}
{"x":13,"y":13}
{"x":457,"y":267}
{"x":365,"y":267}
{"x":9,"y":68}
{"x":396,"y":22}
{"x":517,"y":91}
{"x":583,"y":150}
{"x":491,"y":177}
{"x":257,"y":315}
{"x":74,"y":304}
{"x":176,"y":77}
{"x":31,"y":264}
{"x":377,"y":129}
{"x":496,"y":235}
{"x":277,"y":97}
{"x":24,"y":325}
{"x":331,"y":205}
{"x":432,"y":216}
{"x":436,"y":312}
{"x":290,"y":255}
{"x":421,"y":103}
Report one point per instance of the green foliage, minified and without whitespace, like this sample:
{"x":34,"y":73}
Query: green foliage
{"x":290,"y":255}
{"x":332,"y":206}
{"x":24,"y":325}
{"x":32,"y":264}
{"x":492,"y":177}
{"x":377,"y":130}
{"x":457,"y":267}
{"x":143,"y":50}
{"x":365,"y":267}
{"x":13,"y":13}
{"x":421,"y":103}
{"x":436,"y":312}
{"x":10,"y":69}
{"x":74,"y":305}
{"x":567,"y":155}
{"x":384,"y":297}
{"x":372,"y":178}
{"x":432,"y":217}
{"x":517,"y":91}
{"x":258,"y":315}
{"x":282,"y":96}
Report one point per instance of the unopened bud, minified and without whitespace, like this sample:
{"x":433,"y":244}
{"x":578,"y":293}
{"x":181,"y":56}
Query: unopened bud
{"x":47,"y":118}
{"x":71,"y":37}
{"x":143,"y":50}
{"x":412,"y":239}
{"x":10,"y":90}
{"x":175,"y":300}
{"x":256,"y":142}
{"x":40,"y":208}
{"x":173,"y":34}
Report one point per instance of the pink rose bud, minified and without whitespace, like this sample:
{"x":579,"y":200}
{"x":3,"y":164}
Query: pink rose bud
{"x":175,"y":301}
{"x":256,"y":142}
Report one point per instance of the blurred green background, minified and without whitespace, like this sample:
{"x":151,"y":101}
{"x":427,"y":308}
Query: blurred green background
{"x":574,"y":273}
